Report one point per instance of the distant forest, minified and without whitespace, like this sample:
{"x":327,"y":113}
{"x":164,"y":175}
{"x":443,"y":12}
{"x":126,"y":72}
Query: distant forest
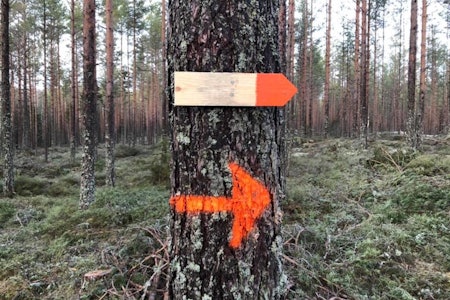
{"x":348,"y":83}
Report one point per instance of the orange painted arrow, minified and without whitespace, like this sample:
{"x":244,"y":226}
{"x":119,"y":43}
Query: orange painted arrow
{"x":248,"y":201}
{"x":232,"y":89}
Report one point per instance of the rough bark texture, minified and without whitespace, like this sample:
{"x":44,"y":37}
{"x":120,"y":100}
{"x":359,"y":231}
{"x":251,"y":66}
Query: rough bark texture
{"x":422,"y":81}
{"x":73,"y":114}
{"x":229,"y":36}
{"x":410,"y":122}
{"x":45,"y":121}
{"x":326,"y":96}
{"x":357,"y":88}
{"x":364,"y":94}
{"x":26,"y":107}
{"x":109,"y":124}
{"x":87,"y":190}
{"x":282,"y":35}
{"x":165,"y":103}
{"x":8,"y":150}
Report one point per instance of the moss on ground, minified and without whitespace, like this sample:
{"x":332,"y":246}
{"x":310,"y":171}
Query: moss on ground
{"x":359,"y":224}
{"x":368,"y":224}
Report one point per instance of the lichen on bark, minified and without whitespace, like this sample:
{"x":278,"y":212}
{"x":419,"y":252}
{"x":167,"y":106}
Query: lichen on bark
{"x":87,"y":182}
{"x":224,"y":36}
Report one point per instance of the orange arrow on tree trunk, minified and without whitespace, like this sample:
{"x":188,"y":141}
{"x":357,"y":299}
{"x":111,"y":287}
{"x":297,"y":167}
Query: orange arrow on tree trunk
{"x":247,"y":203}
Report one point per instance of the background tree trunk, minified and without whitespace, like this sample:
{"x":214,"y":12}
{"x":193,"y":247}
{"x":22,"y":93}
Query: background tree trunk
{"x":73,"y":114}
{"x":412,"y":134}
{"x":357,"y":72}
{"x":87,"y":189}
{"x":237,"y":36}
{"x":8,"y":149}
{"x":422,"y":81}
{"x":45,"y":113}
{"x":364,"y":62}
{"x":326,"y":95}
{"x":109,"y":124}
{"x":26,"y":106}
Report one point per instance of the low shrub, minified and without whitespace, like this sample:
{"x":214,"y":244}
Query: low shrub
{"x":7,"y":210}
{"x":429,"y":165}
{"x":123,"y":151}
{"x":30,"y":186}
{"x":419,"y":196}
{"x":396,"y":157}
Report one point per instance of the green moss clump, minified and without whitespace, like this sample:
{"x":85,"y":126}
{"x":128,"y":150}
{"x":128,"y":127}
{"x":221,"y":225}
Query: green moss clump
{"x":123,"y":151}
{"x":430,"y":165}
{"x":7,"y":211}
{"x":385,"y":157}
{"x":30,"y":186}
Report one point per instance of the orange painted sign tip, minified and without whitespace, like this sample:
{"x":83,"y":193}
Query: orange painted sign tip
{"x":247,"y":203}
{"x":274,"y":89}
{"x":232,"y":89}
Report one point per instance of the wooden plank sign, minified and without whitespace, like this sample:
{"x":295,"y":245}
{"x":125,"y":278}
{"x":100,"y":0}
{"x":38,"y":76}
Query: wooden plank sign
{"x":232,"y":89}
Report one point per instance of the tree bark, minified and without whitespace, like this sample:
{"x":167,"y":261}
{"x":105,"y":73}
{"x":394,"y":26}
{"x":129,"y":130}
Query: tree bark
{"x":357,"y":67}
{"x":165,"y":103}
{"x":326,"y":98}
{"x":26,"y":107}
{"x":422,"y":81}
{"x":223,"y":36}
{"x":73,"y":114}
{"x":292,"y":107}
{"x":304,"y":87}
{"x":87,"y":188}
{"x":412,"y":134}
{"x":8,"y":149}
{"x":109,"y":124}
{"x":364,"y":95}
{"x":282,"y":35}
{"x":45,"y":118}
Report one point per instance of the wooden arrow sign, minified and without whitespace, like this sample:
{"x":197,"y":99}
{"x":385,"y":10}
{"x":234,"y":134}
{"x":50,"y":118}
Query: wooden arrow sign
{"x":247,"y":203}
{"x":232,"y":89}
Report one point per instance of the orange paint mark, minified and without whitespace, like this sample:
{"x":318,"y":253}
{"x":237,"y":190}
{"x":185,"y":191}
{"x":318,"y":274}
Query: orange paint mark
{"x":248,"y":201}
{"x":273,"y":89}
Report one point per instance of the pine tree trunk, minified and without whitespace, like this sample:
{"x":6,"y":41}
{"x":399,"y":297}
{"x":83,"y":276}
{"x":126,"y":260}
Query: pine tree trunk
{"x":164,"y":101}
{"x":282,"y":35}
{"x":357,"y":72}
{"x":73,"y":119}
{"x":109,"y":124}
{"x":310,"y":108}
{"x":412,"y":134}
{"x":422,"y":80}
{"x":447,"y":112}
{"x":364,"y":95}
{"x":26,"y":102}
{"x":8,"y":149}
{"x":87,"y":189}
{"x":326,"y":98}
{"x":292,"y":106}
{"x":45,"y":118}
{"x":240,"y":36}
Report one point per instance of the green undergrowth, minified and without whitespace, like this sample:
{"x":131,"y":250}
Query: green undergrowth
{"x":358,"y":224}
{"x":48,"y":245}
{"x":368,"y":224}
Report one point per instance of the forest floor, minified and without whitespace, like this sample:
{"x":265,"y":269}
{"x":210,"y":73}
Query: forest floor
{"x":358,"y":224}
